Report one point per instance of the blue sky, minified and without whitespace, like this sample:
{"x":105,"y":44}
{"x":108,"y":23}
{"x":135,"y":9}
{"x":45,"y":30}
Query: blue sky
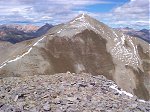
{"x":115,"y":13}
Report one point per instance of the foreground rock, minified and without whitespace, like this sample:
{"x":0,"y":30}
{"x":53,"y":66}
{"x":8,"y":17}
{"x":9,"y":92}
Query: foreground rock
{"x":66,"y":92}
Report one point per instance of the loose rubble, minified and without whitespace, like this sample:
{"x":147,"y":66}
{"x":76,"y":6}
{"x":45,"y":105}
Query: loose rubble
{"x":65,"y":92}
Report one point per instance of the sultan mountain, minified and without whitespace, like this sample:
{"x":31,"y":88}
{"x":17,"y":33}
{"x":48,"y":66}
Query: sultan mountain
{"x":82,"y":45}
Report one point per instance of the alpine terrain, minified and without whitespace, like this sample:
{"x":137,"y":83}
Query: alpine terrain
{"x":83,"y":45}
{"x":18,"y":33}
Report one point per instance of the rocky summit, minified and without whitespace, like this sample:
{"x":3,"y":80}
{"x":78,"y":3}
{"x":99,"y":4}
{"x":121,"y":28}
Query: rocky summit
{"x":66,"y":92}
{"x":83,"y":45}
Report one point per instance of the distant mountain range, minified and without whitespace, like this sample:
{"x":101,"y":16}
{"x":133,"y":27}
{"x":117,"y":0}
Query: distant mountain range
{"x":18,"y":33}
{"x":143,"y":34}
{"x":25,"y":28}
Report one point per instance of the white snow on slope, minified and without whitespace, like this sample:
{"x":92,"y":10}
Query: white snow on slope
{"x":123,"y":53}
{"x":120,"y":91}
{"x":135,"y":48}
{"x":59,"y":31}
{"x":82,"y":23}
{"x":39,"y":41}
{"x":80,"y":19}
{"x":123,"y":38}
{"x":140,"y":100}
{"x":20,"y":56}
{"x":114,"y":33}
{"x":115,"y":87}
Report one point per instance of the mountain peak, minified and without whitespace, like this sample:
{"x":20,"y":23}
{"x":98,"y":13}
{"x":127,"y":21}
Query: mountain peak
{"x":79,"y":24}
{"x":82,"y":18}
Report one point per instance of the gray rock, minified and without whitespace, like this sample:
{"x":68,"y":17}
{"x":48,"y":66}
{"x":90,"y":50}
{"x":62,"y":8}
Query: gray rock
{"x":133,"y":105}
{"x":141,"y":108}
{"x":46,"y":106}
{"x":67,"y":99}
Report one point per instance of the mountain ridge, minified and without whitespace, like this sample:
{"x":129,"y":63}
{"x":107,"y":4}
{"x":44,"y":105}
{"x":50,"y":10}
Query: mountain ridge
{"x":19,"y":33}
{"x":85,"y":45}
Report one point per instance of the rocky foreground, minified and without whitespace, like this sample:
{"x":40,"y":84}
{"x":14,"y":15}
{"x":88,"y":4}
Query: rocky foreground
{"x":66,"y":92}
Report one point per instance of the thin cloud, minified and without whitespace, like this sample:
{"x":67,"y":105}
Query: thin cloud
{"x":58,"y":11}
{"x":42,"y":10}
{"x":129,"y":14}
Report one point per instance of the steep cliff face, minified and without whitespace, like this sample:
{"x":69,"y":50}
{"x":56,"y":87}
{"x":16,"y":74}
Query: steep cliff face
{"x":84,"y":45}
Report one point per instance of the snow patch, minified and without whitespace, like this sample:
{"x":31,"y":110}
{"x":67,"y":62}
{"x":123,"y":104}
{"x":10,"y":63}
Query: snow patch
{"x":79,"y":18}
{"x":115,"y":87}
{"x":114,"y":33}
{"x":38,"y":41}
{"x":140,"y":100}
{"x":135,"y":49}
{"x":2,"y":65}
{"x":125,"y":54}
{"x":123,"y":38}
{"x":115,"y":39}
{"x":60,"y":31}
{"x":19,"y":57}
